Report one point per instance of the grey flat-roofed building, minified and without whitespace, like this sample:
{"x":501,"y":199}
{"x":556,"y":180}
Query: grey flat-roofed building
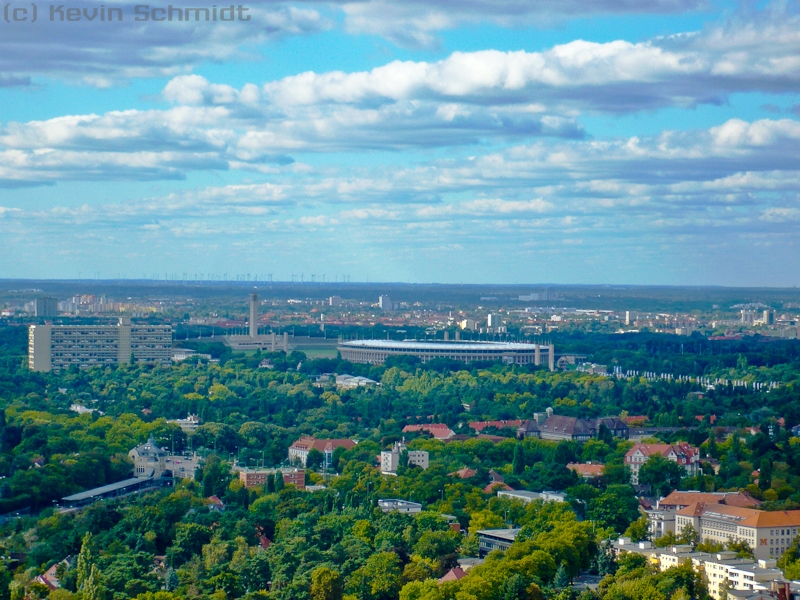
{"x":377,"y":351}
{"x":403,"y":506}
{"x":495,"y":539}
{"x":526,"y":496}
{"x":55,"y":347}
{"x":45,"y":307}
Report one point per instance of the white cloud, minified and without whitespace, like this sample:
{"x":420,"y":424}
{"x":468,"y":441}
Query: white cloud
{"x":724,"y":177}
{"x":414,"y":23}
{"x":106,"y":53}
{"x":485,"y":208}
{"x":616,"y":76}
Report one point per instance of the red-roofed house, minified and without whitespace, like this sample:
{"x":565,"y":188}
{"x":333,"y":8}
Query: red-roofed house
{"x":682,"y":453}
{"x":464,"y":473}
{"x":214,"y":503}
{"x":298,"y":452}
{"x":586,"y":470}
{"x":440,"y":431}
{"x":454,"y":574}
{"x":679,"y":500}
{"x":712,"y":419}
{"x":481,"y":425}
{"x":496,"y":486}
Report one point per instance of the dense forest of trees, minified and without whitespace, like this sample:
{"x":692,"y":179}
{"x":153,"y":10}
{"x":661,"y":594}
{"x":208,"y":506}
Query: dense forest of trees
{"x":336,"y":543}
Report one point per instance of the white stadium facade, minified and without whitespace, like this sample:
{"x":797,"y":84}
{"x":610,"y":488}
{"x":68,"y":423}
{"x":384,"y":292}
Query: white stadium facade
{"x":377,"y":351}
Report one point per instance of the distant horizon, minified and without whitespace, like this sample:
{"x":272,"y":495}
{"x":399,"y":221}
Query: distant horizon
{"x":255,"y":283}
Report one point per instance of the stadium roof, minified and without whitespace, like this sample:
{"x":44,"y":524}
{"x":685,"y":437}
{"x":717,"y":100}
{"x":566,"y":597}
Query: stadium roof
{"x":444,"y":346}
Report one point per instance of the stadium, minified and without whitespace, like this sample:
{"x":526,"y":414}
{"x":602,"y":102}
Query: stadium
{"x":377,"y":351}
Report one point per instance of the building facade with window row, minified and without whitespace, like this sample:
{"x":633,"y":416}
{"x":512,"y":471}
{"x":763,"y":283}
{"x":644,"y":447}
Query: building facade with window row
{"x":56,"y":347}
{"x":768,"y":533}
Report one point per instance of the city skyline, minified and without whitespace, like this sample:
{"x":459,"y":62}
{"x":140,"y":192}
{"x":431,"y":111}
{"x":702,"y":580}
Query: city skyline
{"x":602,"y":142}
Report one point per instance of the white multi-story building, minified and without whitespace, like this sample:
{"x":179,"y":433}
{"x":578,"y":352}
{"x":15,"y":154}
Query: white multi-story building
{"x":528,"y":497}
{"x":768,"y":533}
{"x":190,"y":423}
{"x":722,"y":571}
{"x":662,"y":517}
{"x":56,"y":347}
{"x":390,"y":459}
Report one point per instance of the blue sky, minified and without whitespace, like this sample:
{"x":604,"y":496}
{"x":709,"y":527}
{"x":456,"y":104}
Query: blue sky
{"x":569,"y":141}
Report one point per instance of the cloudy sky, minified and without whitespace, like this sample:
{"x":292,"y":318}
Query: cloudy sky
{"x":474,"y":141}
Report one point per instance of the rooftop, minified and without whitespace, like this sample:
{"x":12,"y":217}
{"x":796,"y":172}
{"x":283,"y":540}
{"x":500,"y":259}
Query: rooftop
{"x":111,"y":487}
{"x":504,"y":534}
{"x":442,"y":346}
{"x":395,"y":503}
{"x":746,"y":517}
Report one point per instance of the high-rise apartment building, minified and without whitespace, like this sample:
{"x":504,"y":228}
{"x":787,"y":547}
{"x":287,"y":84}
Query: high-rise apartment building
{"x":55,"y":347}
{"x":385,"y":303}
{"x":45,"y":307}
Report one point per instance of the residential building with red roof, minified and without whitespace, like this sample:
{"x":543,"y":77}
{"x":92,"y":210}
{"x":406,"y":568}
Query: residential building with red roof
{"x":682,"y":453}
{"x":454,"y":574}
{"x":481,"y":425}
{"x":440,"y":431}
{"x":677,"y":500}
{"x":587,"y":470}
{"x":496,"y":486}
{"x":464,"y":473}
{"x":548,"y":426}
{"x":298,"y":452}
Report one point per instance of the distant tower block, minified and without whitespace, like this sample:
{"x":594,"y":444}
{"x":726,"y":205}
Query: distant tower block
{"x":253,"y":315}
